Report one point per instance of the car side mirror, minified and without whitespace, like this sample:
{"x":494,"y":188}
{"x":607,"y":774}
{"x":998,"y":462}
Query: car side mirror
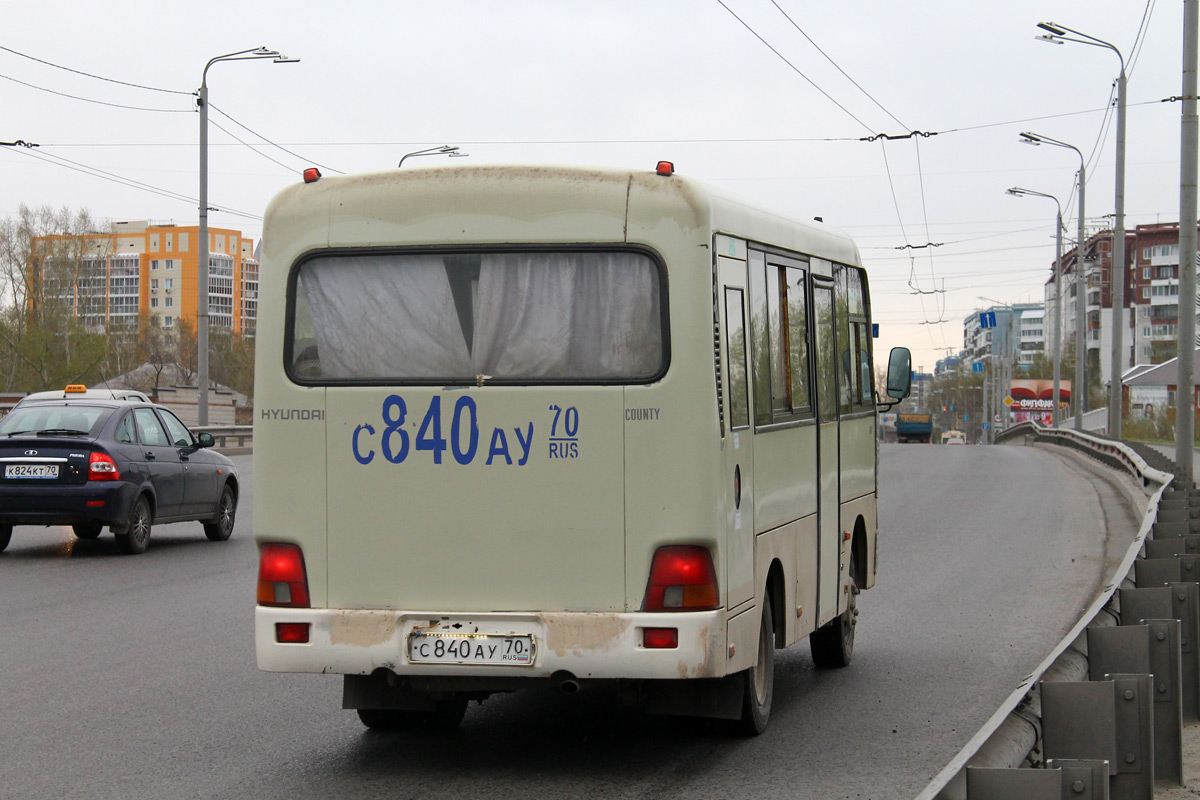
{"x":206,"y":439}
{"x":899,"y":377}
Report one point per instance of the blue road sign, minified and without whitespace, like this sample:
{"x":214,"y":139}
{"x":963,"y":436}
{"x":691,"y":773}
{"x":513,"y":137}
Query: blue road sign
{"x":977,"y":366}
{"x":985,"y":426}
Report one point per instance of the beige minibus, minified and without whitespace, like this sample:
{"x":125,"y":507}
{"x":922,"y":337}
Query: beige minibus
{"x":543,"y":426}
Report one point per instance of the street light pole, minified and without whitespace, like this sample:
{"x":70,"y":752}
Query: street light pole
{"x":1079,"y":391}
{"x":1116,"y":401}
{"x":1057,"y":344}
{"x":203,"y":249}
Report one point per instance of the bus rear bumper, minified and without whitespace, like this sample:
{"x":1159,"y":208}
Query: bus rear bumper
{"x":588,"y":645}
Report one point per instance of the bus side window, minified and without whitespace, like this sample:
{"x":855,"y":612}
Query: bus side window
{"x":854,"y":346}
{"x":760,"y":337}
{"x":797,"y":314}
{"x":845,"y":347}
{"x":826,"y":355}
{"x":735,"y":336}
{"x":860,"y":323}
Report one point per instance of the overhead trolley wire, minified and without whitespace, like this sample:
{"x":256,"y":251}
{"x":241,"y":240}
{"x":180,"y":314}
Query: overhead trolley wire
{"x":98,"y":102}
{"x":268,"y":141}
{"x":75,"y":166}
{"x":835,"y":64}
{"x":792,"y":66}
{"x":90,"y":75}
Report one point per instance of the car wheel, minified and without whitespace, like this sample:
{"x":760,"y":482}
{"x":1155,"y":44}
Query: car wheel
{"x":88,"y":530}
{"x":833,"y":645}
{"x":221,"y":528}
{"x":136,"y":535}
{"x":5,"y":536}
{"x":446,"y":716}
{"x":758,"y":682}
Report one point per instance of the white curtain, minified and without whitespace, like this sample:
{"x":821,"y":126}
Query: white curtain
{"x":375,"y":318}
{"x":534,"y":315}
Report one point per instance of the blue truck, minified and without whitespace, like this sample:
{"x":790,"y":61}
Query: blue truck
{"x":914,"y":428}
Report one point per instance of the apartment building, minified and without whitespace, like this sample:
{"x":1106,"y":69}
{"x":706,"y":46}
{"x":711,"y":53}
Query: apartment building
{"x":1014,"y":332}
{"x":110,"y":278}
{"x":1151,"y":315}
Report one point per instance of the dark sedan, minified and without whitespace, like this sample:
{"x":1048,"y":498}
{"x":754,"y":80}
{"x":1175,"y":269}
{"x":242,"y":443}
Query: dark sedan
{"x":126,"y":464}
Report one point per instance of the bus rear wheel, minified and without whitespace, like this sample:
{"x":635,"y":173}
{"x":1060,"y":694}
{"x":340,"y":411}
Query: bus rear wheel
{"x":758,"y":687}
{"x":445,"y":716}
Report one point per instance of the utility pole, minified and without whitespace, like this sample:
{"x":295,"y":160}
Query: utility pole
{"x":986,"y":429}
{"x":1185,"y":393}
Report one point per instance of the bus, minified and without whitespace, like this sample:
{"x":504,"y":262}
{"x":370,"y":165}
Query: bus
{"x":550,"y":427}
{"x":954,"y":437}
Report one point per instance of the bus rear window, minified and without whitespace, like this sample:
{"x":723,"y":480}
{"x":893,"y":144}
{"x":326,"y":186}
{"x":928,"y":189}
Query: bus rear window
{"x":535,"y":316}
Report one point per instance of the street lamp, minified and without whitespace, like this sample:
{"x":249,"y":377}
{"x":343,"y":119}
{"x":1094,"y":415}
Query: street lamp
{"x":444,"y":150}
{"x":1016,"y":191}
{"x":1057,"y":34}
{"x":1080,"y":389}
{"x":252,"y":54}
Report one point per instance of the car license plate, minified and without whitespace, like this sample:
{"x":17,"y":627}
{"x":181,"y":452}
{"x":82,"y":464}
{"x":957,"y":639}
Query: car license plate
{"x":30,"y":470}
{"x":470,"y":648}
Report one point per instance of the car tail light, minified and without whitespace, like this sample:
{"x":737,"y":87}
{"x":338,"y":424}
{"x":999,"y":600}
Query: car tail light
{"x":101,"y":467}
{"x":282,"y":580}
{"x":682,"y":578}
{"x":660,"y":638}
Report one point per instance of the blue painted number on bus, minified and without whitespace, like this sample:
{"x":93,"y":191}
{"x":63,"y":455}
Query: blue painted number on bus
{"x":505,"y":445}
{"x":564,"y":442}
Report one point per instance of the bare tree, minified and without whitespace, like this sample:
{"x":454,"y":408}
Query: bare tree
{"x":49,"y":285}
{"x":185,"y":348}
{"x":157,"y":347}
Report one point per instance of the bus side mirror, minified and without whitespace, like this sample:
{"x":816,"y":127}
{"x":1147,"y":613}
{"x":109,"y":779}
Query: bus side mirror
{"x":899,"y":377}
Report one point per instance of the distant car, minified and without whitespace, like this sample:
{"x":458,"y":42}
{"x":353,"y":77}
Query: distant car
{"x":126,"y":463}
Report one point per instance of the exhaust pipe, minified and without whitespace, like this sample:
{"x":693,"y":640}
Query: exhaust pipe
{"x":566,"y":682}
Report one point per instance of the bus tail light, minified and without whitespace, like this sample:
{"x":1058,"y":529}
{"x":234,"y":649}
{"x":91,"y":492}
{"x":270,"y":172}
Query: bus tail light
{"x":282,"y":580}
{"x":291,"y":632}
{"x":682,"y":578}
{"x":101,"y":467}
{"x":660,"y":638}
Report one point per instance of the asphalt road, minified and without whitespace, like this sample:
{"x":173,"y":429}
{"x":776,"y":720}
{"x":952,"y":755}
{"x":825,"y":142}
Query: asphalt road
{"x":134,"y":676}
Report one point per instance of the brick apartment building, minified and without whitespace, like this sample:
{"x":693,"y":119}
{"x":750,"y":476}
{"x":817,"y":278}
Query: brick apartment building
{"x":1151,"y":296}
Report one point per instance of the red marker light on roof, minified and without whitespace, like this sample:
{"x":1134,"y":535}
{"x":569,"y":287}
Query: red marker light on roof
{"x":312,"y":175}
{"x":665,"y":168}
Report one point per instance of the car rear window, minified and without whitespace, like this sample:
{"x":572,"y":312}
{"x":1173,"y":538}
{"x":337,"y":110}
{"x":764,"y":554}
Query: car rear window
{"x":39,"y":418}
{"x":526,"y":316}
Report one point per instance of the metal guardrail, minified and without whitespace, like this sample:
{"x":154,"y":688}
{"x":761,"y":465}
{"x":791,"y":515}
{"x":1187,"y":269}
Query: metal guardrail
{"x":1013,"y":734}
{"x":243,"y":435}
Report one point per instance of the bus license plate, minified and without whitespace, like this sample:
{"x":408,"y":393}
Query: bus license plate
{"x":451,"y":648}
{"x":31,"y":470}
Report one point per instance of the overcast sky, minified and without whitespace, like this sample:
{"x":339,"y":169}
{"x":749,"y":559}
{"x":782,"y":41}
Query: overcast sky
{"x":625,"y":84}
